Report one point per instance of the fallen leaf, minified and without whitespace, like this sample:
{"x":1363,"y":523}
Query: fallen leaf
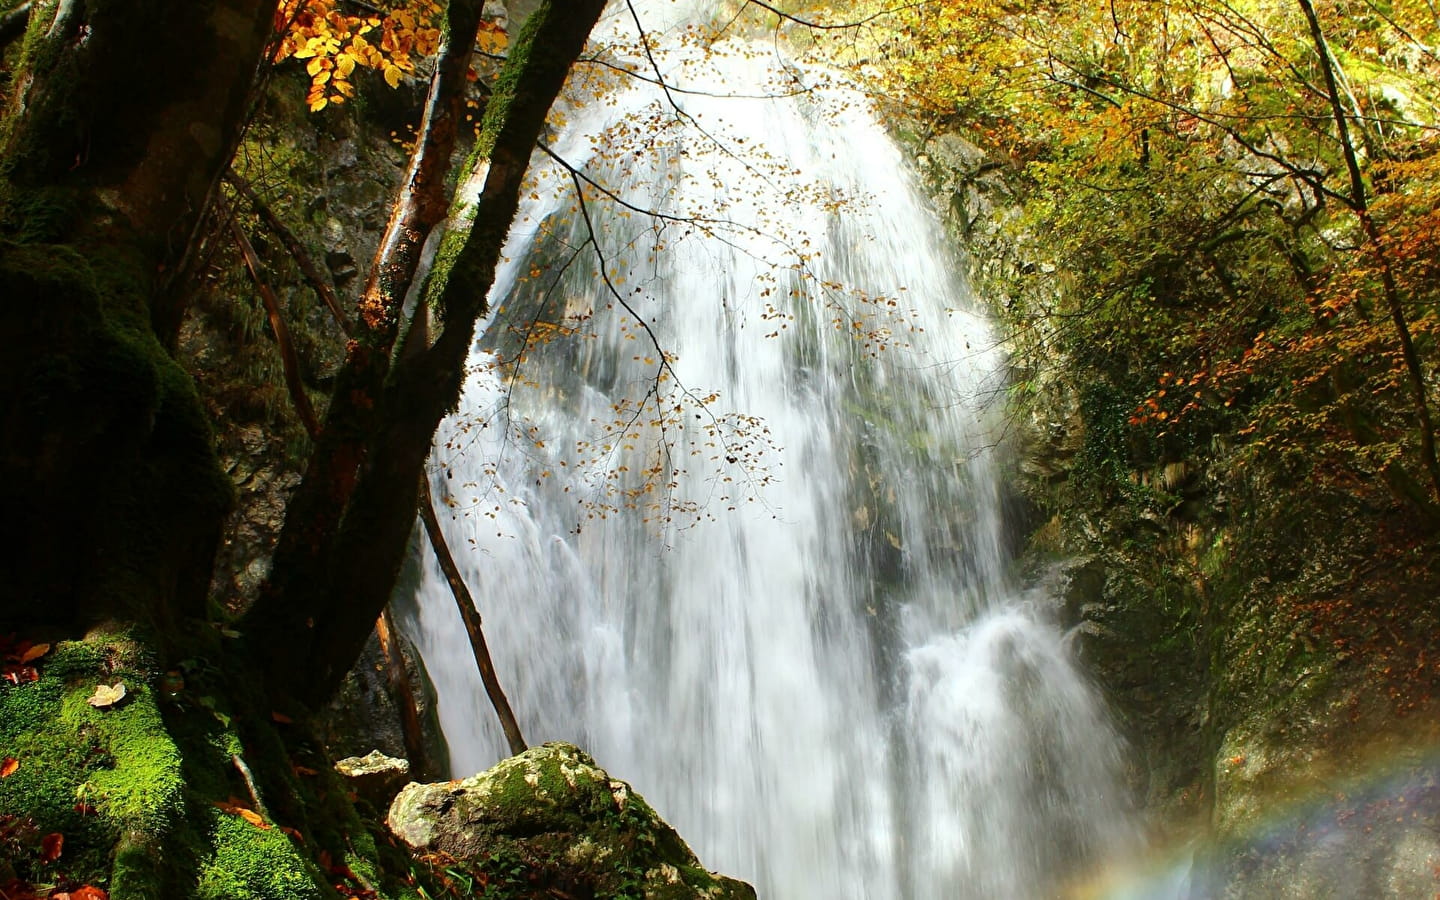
{"x":248,"y":815}
{"x":34,"y":653}
{"x":8,"y":766}
{"x":106,"y":696}
{"x":282,"y":718}
{"x":88,"y":892}
{"x":304,"y":770}
{"x":85,"y":809}
{"x":51,"y":845}
{"x":252,"y":817}
{"x":293,"y":833}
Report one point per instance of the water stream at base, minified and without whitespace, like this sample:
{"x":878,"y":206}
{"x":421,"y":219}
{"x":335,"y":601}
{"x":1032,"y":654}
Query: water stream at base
{"x":767,"y":584}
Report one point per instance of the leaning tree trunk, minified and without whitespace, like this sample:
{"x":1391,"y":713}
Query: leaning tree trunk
{"x":349,"y":523}
{"x":119,"y":122}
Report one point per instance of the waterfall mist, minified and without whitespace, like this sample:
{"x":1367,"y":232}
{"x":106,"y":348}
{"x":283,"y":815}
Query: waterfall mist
{"x":726,"y":484}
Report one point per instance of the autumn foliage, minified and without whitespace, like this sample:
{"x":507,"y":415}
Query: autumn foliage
{"x":1220,"y":269}
{"x":332,"y":43}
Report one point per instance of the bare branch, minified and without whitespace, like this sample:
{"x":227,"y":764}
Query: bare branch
{"x":292,"y":244}
{"x":471,"y":617}
{"x":289,"y":359}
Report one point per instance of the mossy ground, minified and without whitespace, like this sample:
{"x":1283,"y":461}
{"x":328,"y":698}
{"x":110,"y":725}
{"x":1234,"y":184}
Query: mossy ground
{"x":149,"y":798}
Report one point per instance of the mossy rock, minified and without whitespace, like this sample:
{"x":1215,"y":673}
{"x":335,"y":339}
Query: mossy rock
{"x":137,"y":789}
{"x":551,"y":820}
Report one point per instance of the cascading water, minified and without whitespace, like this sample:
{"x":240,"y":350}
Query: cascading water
{"x":765,"y":581}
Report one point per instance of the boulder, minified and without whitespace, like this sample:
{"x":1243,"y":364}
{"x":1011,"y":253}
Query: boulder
{"x":550,"y":822}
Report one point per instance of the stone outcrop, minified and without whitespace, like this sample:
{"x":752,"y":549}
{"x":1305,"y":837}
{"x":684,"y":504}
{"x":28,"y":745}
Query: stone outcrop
{"x":551,"y":822}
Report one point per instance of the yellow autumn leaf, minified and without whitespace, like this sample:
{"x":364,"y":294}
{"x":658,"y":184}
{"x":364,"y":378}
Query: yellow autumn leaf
{"x":492,"y":41}
{"x":344,"y":65}
{"x":317,"y":105}
{"x":392,"y":76}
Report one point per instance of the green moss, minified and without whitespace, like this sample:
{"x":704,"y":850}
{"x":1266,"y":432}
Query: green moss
{"x":133,"y":787}
{"x":108,"y":779}
{"x":253,"y":863}
{"x":550,"y":822}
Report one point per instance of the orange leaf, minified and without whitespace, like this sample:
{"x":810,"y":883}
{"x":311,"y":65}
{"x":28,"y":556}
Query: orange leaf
{"x":249,"y":815}
{"x":34,"y":653}
{"x":8,"y":766}
{"x":281,"y":718}
{"x":252,"y":817}
{"x":89,"y":893}
{"x":51,"y":845}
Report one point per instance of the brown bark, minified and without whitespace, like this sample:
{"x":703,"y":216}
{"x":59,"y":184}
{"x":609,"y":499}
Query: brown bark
{"x":397,"y":680}
{"x":473,"y":624}
{"x":294,"y":597}
{"x":348,"y":526}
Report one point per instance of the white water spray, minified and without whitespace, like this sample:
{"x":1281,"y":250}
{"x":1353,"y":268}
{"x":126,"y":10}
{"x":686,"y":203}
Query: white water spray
{"x":766,"y":582}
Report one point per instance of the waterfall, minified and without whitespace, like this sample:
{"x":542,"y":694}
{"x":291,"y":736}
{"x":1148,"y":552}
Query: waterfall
{"x":725,"y":482}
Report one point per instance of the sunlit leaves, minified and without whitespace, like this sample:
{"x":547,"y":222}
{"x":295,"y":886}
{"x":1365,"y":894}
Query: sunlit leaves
{"x":334,"y":43}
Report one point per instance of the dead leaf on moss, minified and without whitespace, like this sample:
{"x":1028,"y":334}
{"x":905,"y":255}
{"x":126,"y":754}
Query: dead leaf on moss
{"x":8,"y":766}
{"x":249,"y":815}
{"x":51,"y":846}
{"x":106,"y":696}
{"x":34,"y":653}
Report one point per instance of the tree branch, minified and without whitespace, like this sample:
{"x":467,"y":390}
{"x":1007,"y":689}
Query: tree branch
{"x":13,"y":24}
{"x":292,"y":245}
{"x":471,"y":616}
{"x":289,"y":359}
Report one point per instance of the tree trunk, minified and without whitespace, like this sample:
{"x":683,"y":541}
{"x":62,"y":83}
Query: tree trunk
{"x":117,"y":129}
{"x":349,"y":524}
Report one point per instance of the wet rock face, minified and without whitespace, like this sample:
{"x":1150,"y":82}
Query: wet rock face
{"x":550,"y":820}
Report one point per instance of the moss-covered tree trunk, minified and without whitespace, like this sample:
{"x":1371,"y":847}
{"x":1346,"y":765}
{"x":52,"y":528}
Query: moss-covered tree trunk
{"x":120,"y":118}
{"x":330,"y":583}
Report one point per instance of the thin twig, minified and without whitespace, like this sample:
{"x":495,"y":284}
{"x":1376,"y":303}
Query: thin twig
{"x":292,"y":245}
{"x":288,"y":358}
{"x":245,"y":773}
{"x":471,"y":617}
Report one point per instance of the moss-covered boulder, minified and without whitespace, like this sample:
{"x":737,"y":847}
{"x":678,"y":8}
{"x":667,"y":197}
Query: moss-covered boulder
{"x":548,"y":821}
